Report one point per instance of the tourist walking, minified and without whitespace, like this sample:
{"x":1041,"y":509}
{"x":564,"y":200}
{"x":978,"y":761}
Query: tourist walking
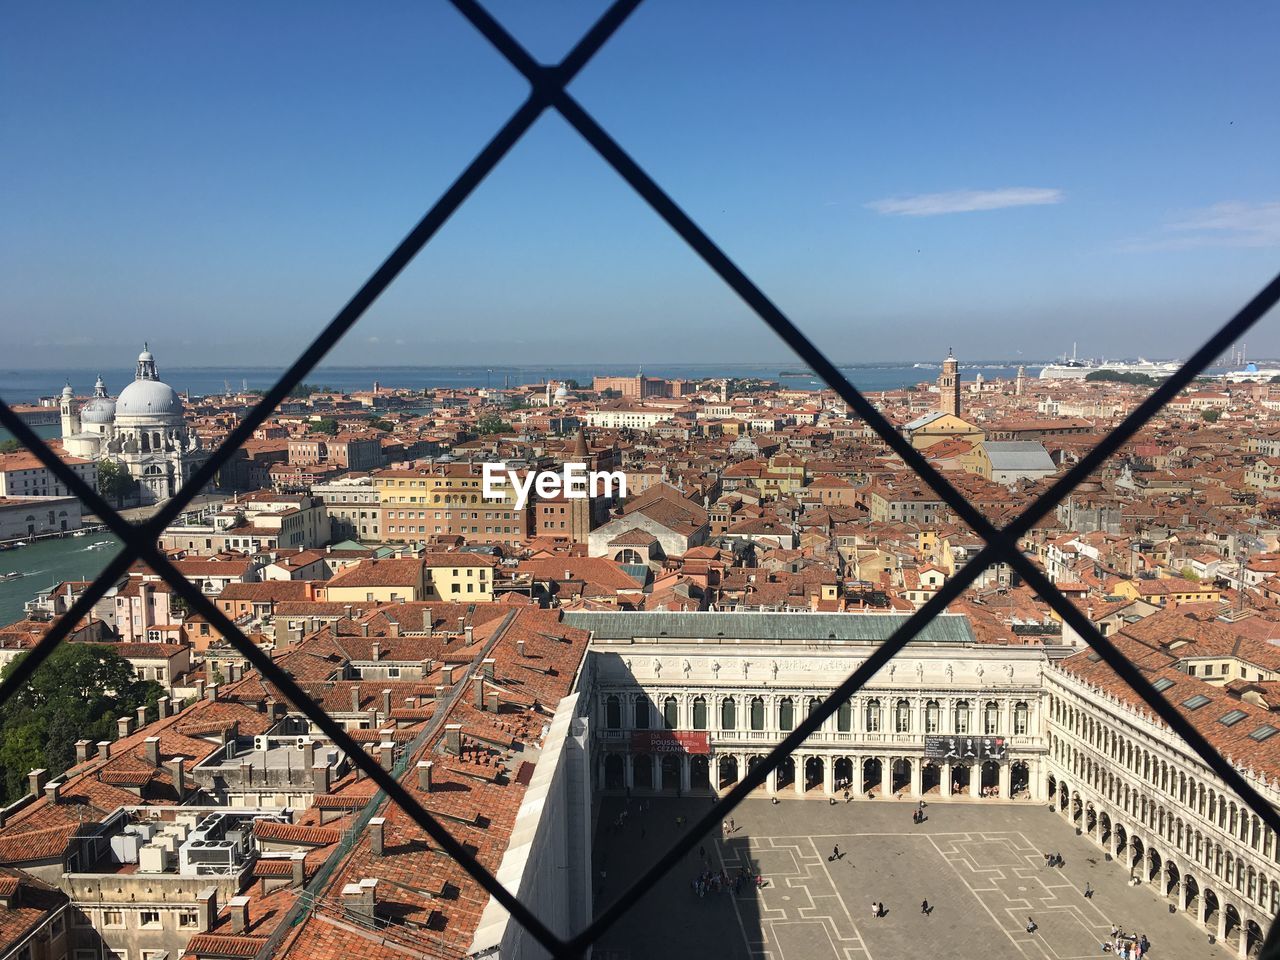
{"x":1088,"y":890}
{"x":924,"y":907}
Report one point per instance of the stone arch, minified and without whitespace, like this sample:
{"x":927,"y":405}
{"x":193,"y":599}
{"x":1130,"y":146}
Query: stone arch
{"x":642,"y":771}
{"x":930,"y":777}
{"x":785,"y":776}
{"x":842,"y":772}
{"x":1171,"y":878}
{"x":814,"y":767}
{"x":614,"y":775}
{"x":872,"y":772}
{"x":1211,"y":907}
{"x":901,"y":774}
{"x":1104,"y":834}
{"x":728,"y":771}
{"x":1254,"y":937}
{"x":700,"y":772}
{"x":1154,"y":862}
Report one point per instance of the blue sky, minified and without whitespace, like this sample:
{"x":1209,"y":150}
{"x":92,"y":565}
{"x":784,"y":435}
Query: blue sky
{"x":1007,"y":179}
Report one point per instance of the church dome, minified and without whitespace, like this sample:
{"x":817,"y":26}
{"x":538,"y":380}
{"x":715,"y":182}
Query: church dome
{"x":101,"y":409}
{"x":148,"y":398}
{"x":148,"y":395}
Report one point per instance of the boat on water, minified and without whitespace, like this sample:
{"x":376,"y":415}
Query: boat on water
{"x":80,"y":533}
{"x":1073,"y":368}
{"x":1251,"y":371}
{"x":11,"y":575}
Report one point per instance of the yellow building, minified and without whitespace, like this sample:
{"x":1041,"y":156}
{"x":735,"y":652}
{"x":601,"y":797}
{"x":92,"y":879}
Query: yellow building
{"x":1169,"y":592}
{"x":389,"y":580}
{"x":933,"y":427}
{"x":465,"y":577}
{"x":447,"y":501}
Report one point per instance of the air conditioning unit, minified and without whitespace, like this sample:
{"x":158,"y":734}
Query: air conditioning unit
{"x":261,"y":742}
{"x":303,"y":741}
{"x":153,"y":858}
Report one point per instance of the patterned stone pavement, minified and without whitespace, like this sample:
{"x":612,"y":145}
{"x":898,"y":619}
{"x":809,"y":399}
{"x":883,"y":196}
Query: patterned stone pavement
{"x":980,"y":866}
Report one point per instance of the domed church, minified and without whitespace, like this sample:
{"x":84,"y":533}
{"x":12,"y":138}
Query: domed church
{"x":143,"y":429}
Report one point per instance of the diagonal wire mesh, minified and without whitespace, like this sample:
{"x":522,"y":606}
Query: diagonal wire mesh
{"x":548,"y":90}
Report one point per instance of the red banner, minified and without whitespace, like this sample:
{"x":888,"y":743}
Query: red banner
{"x":670,"y":741}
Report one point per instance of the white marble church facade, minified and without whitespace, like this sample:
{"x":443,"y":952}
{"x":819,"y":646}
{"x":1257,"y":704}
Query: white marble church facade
{"x":144,"y":430}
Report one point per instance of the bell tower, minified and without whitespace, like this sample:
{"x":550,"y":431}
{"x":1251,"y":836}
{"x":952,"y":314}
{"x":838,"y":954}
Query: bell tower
{"x":949,"y":386}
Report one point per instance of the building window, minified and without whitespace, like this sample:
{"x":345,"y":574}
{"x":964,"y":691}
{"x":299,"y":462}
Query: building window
{"x":932,"y":717}
{"x":728,"y":714}
{"x":188,"y":919}
{"x":112,"y":918}
{"x":699,"y":713}
{"x":757,"y":713}
{"x":613,"y":713}
{"x":902,"y":717}
{"x":991,"y":718}
{"x":844,"y":717}
{"x":873,"y":716}
{"x":962,"y":716}
{"x":786,"y":714}
{"x":1020,"y":714}
{"x":671,"y":713}
{"x":641,"y":713}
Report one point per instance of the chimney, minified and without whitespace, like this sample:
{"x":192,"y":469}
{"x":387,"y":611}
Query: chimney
{"x":151,"y":747}
{"x":453,"y":738}
{"x":441,"y":691}
{"x":424,"y":776}
{"x":355,"y":698}
{"x":84,"y":750}
{"x":386,"y":703}
{"x":104,"y":749}
{"x":486,"y":667}
{"x":299,"y":863}
{"x":477,"y":688}
{"x":308,"y":755}
{"x":162,"y":707}
{"x":124,"y":727}
{"x":377,"y":835}
{"x":246,"y":773}
{"x":52,"y":790}
{"x":468,"y":633}
{"x":375,"y":651}
{"x":199,"y":685}
{"x":178,"y":775}
{"x":207,"y":907}
{"x":520,"y":647}
{"x":387,"y":754}
{"x":493,"y":700}
{"x":361,"y":899}
{"x":447,"y":676}
{"x":428,"y":665}
{"x":142,"y":717}
{"x":238,"y":907}
{"x":347,"y":611}
{"x":320,"y":778}
{"x":233,"y":672}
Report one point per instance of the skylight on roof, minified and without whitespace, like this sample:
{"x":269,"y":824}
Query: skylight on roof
{"x":1234,"y":717}
{"x":1196,"y":702}
{"x":1163,"y":684}
{"x":1263,"y":732}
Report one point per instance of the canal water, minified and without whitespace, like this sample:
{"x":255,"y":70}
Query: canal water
{"x":46,"y":562}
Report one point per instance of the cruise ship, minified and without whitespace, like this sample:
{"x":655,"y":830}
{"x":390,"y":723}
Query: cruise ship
{"x":1074,"y":369}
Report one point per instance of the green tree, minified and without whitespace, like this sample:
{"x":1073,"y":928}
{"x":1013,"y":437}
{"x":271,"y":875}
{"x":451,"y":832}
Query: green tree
{"x":325,"y":425}
{"x":77,"y":694}
{"x":1210,"y":416}
{"x":114,"y":482}
{"x":386,"y":426}
{"x":492,"y":423}
{"x":1188,"y":574}
{"x":1122,"y":376}
{"x":10,"y":446}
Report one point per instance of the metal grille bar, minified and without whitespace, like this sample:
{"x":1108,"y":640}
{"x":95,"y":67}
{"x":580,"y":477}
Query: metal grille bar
{"x":548,"y":89}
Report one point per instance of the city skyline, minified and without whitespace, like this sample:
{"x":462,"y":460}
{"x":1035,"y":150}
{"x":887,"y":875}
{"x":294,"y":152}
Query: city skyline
{"x":1102,"y":175}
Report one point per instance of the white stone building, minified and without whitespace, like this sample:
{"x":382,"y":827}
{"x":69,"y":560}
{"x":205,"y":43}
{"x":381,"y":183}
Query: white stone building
{"x":144,"y":430}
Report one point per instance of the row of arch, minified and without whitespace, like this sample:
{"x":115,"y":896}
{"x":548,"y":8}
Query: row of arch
{"x":870,"y":776}
{"x":637,"y":711}
{"x":1209,"y":902}
{"x":1116,"y":749}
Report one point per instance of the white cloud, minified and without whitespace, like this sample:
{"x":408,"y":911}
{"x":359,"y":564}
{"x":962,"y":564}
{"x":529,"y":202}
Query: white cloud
{"x":966,"y":201}
{"x":1230,"y":224}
